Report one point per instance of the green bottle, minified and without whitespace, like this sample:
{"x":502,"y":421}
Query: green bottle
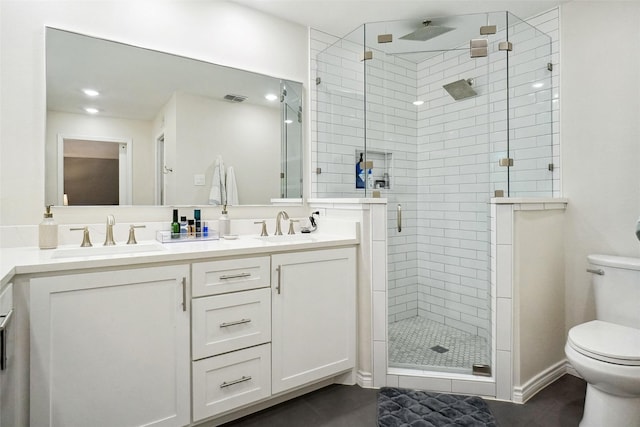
{"x":175,"y":226}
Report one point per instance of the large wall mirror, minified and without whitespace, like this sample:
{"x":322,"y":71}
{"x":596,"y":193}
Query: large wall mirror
{"x":133,"y":126}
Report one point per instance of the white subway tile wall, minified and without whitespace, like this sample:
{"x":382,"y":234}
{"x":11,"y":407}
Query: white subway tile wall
{"x":441,"y":158}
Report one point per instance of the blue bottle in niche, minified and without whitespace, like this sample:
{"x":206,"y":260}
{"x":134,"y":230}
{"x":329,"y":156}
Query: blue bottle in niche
{"x":359,"y":173}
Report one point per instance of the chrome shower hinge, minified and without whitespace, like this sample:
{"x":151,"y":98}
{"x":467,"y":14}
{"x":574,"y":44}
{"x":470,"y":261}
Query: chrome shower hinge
{"x":508,"y":46}
{"x":485,"y":30}
{"x":507,"y":161}
{"x":318,"y":80}
{"x":366,"y":55}
{"x":549,"y":66}
{"x":550,"y":167}
{"x":478,"y":48}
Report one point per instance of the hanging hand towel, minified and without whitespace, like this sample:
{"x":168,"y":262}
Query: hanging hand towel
{"x":217,"y":195}
{"x":232,"y":188}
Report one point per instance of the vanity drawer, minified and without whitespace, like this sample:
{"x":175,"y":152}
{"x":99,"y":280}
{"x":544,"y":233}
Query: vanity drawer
{"x":219,"y":277}
{"x":223,"y":323}
{"x":231,"y":380}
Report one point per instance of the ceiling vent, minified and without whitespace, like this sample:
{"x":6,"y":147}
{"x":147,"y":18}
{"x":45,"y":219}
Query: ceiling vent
{"x":235,"y":98}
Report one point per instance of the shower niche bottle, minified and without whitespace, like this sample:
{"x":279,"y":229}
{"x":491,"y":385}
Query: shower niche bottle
{"x":360,"y":173}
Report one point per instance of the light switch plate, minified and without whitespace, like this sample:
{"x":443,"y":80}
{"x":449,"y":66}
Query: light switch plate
{"x":198,"y":179}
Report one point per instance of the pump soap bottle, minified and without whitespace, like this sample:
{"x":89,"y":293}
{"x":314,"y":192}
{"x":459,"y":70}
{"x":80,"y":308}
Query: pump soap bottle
{"x":48,"y":231}
{"x":224,"y":225}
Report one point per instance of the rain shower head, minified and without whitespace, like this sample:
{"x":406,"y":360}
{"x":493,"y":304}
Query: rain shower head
{"x":426,"y":32}
{"x":460,"y":89}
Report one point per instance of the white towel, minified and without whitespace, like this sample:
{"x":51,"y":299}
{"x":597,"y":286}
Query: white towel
{"x":232,"y":188}
{"x":218,"y":193}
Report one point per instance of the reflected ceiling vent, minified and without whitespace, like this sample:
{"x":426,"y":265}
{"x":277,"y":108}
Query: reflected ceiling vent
{"x":426,"y":32}
{"x":234,"y":98}
{"x":460,"y":89}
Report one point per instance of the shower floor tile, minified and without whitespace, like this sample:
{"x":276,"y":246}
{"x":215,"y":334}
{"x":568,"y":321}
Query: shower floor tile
{"x":418,"y":343}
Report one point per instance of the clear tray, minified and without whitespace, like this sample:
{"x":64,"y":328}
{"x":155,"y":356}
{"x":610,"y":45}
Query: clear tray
{"x":169,"y":237}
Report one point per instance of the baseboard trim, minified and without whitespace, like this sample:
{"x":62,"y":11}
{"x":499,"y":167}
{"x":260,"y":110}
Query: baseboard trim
{"x":540,"y":381}
{"x":364,"y":379}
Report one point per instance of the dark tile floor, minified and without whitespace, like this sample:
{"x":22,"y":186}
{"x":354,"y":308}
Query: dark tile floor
{"x":558,"y":405}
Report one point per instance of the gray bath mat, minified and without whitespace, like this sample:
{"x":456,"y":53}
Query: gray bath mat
{"x":399,"y":407}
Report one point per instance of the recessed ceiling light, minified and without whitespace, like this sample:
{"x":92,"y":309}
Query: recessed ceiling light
{"x":418,"y":102}
{"x":91,"y":110}
{"x":271,"y":97}
{"x":90,"y":92}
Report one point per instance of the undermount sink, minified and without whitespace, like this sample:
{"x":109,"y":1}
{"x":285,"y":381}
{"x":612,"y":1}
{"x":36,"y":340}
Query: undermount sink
{"x":77,"y":251}
{"x":286,"y":238}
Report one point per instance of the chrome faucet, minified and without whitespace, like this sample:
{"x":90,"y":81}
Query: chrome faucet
{"x":281,"y":215}
{"x":108,"y":241}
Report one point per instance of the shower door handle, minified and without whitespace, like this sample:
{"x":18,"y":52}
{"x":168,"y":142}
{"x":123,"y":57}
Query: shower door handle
{"x":399,"y":218}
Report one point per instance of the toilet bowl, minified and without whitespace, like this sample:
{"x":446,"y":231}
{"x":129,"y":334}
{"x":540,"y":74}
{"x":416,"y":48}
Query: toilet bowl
{"x":607,"y":356}
{"x":606,"y":351}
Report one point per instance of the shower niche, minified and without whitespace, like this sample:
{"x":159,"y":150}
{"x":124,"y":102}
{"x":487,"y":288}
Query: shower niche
{"x":453,"y":109}
{"x":375,"y":169}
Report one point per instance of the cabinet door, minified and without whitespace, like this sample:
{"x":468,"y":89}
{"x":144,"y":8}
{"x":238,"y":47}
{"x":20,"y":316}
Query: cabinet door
{"x":313,"y":316}
{"x":111,"y":349}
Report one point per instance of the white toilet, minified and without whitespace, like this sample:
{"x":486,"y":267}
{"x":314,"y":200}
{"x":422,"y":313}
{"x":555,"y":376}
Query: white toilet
{"x":606,"y":351}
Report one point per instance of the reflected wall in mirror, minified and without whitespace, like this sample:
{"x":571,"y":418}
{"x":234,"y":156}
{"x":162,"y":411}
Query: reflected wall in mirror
{"x":171,"y":117}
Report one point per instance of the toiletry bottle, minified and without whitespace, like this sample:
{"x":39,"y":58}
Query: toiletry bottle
{"x":191,"y":229}
{"x":48,"y":231}
{"x":370,"y":179}
{"x":175,"y":225}
{"x":196,"y":217}
{"x":224,"y":226}
{"x":359,"y":173}
{"x":205,"y":229}
{"x":183,"y":227}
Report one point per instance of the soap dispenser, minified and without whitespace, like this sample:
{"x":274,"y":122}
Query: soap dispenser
{"x":224,"y":225}
{"x":48,"y":231}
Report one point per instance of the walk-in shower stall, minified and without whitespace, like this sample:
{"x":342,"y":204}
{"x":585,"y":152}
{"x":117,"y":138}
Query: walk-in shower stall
{"x":438,"y":115}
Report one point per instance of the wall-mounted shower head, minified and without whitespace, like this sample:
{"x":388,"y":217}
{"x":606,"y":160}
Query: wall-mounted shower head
{"x":426,"y":32}
{"x":460,"y":89}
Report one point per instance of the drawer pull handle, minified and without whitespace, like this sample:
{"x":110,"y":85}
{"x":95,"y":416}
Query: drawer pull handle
{"x":279,"y":286}
{"x":234,"y":382}
{"x":184,"y":294}
{"x":237,"y":322}
{"x":235,"y":276}
{"x":597,"y":271}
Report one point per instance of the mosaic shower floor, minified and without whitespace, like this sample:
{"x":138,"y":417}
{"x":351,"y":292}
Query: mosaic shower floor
{"x":420,"y":343}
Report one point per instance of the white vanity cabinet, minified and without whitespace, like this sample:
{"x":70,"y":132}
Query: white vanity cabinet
{"x":111,"y":348}
{"x":314,"y":316}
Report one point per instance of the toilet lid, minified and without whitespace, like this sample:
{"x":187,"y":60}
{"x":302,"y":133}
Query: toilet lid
{"x":607,"y":342}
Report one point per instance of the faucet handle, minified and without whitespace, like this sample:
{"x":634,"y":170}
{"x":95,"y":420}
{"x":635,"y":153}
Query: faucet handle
{"x":264,"y":228}
{"x":291,"y":230}
{"x":86,"y":240}
{"x":132,"y":234}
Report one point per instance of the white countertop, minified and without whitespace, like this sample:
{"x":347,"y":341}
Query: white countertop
{"x":32,"y":260}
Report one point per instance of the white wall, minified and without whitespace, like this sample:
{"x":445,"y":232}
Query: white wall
{"x":247,"y":136}
{"x":600,"y":127}
{"x":220,"y":32}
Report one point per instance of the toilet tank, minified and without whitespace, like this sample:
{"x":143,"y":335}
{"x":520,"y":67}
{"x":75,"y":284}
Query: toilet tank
{"x":617,"y":291}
